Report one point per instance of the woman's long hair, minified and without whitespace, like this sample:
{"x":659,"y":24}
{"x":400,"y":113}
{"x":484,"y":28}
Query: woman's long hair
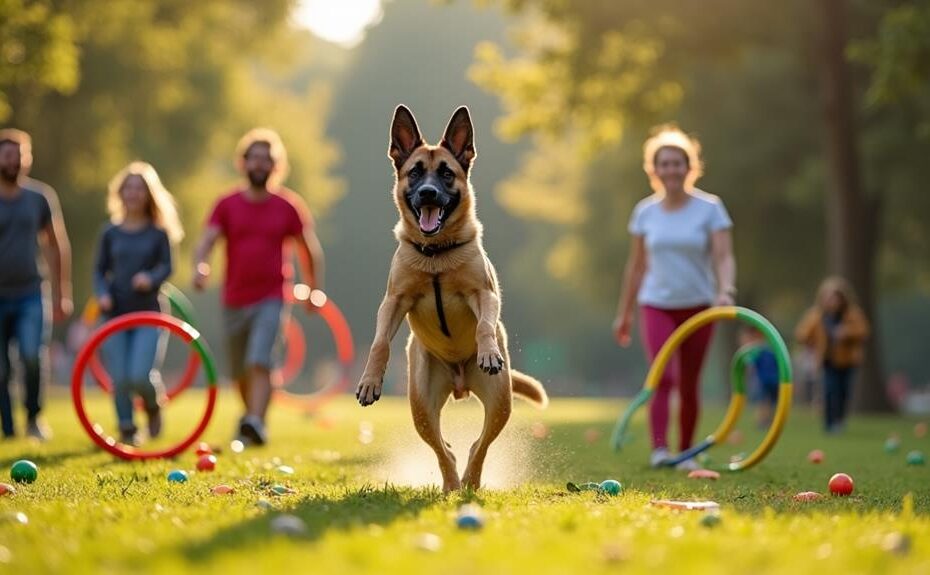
{"x":838,"y":285}
{"x":163,"y":210}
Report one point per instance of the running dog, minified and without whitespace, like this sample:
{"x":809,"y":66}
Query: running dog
{"x":442,"y":281}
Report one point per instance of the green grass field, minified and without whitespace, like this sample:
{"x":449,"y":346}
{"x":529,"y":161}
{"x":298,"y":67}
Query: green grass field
{"x":372,"y":505}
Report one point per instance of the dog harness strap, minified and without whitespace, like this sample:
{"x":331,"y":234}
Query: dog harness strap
{"x":442,"y":314}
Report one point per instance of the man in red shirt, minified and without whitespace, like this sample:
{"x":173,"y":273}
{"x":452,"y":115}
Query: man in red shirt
{"x":258,"y":221}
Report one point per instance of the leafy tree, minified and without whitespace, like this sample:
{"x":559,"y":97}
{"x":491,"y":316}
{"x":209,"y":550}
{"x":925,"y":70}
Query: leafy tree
{"x":799,"y":156}
{"x":171,"y":82}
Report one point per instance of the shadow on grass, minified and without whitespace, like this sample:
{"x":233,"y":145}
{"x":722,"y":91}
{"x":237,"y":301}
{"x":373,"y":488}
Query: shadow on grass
{"x":52,"y":458}
{"x":351,"y":509}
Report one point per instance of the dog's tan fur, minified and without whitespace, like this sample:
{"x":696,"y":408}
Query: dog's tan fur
{"x":473,"y":358}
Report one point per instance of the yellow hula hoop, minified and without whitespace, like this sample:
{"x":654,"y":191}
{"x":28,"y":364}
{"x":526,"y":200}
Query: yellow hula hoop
{"x":738,"y":400}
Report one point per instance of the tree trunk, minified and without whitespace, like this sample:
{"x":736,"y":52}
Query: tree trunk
{"x":852,"y":218}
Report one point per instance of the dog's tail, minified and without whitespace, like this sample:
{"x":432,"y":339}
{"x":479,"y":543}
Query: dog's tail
{"x":529,"y":388}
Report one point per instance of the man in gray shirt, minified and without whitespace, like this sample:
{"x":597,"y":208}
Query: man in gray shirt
{"x":28,"y":215}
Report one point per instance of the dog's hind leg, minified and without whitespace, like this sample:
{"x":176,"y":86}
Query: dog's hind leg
{"x":429,"y":384}
{"x":496,"y":397}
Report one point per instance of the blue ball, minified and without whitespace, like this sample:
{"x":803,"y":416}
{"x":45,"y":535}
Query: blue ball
{"x":468,"y":521}
{"x":610,"y":486}
{"x":177,"y":476}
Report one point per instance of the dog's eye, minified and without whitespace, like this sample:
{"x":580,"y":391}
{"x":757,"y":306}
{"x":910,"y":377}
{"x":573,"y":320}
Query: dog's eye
{"x":415,"y":172}
{"x":448,"y":177}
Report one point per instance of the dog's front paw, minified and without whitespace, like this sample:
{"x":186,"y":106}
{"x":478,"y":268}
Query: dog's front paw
{"x":369,"y":390}
{"x":491,"y":361}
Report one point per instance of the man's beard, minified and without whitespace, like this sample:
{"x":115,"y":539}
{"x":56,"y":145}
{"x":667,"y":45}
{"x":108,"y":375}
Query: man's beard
{"x":258,"y":178}
{"x":10,"y":174}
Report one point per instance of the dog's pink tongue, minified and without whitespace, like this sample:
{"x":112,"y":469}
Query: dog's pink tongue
{"x":429,"y":218}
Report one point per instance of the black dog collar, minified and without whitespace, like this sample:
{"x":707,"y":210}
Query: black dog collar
{"x":432,"y":250}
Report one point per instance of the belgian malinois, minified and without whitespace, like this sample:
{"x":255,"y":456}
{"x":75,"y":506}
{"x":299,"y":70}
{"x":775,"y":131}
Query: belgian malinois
{"x":442,"y":281}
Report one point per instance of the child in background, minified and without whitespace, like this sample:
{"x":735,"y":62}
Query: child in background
{"x":764,"y":375}
{"x":835,"y":329}
{"x":133,"y":260}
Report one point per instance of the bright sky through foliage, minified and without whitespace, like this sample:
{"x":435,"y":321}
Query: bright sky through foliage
{"x":342,"y":22}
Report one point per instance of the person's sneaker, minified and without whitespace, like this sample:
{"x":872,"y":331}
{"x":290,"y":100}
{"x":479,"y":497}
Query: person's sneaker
{"x":129,"y":436}
{"x":154,"y":422}
{"x":659,"y":455}
{"x":688,"y":465}
{"x":253,"y":428}
{"x":38,"y":430}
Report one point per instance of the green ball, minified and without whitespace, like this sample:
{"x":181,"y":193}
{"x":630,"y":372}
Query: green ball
{"x":915,"y":458}
{"x":24,"y":471}
{"x":892,"y":445}
{"x":710,"y":520}
{"x":610,"y":487}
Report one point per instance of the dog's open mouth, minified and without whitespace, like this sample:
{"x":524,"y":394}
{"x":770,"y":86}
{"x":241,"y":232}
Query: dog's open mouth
{"x":430,"y":218}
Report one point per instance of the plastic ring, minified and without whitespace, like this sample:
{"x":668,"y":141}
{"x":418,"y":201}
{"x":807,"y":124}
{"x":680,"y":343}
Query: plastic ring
{"x":127,"y":321}
{"x":775,"y":342}
{"x":345,"y":353}
{"x":182,"y":308}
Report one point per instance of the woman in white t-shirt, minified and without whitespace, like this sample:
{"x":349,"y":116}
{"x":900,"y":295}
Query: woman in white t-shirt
{"x":680,"y":263}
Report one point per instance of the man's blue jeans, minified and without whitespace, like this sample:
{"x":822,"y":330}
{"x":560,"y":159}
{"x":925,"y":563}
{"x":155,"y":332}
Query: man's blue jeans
{"x":23,"y":320}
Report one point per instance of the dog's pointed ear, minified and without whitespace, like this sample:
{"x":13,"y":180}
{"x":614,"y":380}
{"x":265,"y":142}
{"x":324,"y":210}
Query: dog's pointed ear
{"x":405,"y":136}
{"x":460,"y":138}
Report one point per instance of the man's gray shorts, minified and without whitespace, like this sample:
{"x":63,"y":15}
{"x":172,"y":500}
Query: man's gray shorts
{"x":251,"y":334}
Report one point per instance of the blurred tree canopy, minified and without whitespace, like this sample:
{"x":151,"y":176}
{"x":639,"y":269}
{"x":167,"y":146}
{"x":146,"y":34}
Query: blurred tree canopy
{"x":899,"y":57}
{"x":579,"y":83}
{"x":38,"y":51}
{"x":591,"y":77}
{"x":99,"y":83}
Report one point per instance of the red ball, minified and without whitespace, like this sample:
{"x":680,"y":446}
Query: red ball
{"x":815,"y":456}
{"x":841,"y":484}
{"x":206,"y":463}
{"x":204,"y":449}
